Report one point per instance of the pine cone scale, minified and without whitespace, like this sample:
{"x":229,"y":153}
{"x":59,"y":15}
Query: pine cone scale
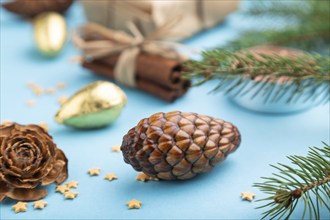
{"x":183,"y":144}
{"x":165,"y":146}
{"x":192,"y":158}
{"x":163,"y":166}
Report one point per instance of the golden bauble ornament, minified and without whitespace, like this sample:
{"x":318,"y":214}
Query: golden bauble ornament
{"x":50,"y":33}
{"x":96,"y":105}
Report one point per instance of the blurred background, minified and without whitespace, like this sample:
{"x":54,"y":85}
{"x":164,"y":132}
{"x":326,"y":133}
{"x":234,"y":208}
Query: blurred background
{"x":262,"y":65}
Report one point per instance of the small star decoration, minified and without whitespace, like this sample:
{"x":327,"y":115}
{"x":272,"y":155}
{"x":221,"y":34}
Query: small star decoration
{"x":50,"y":90}
{"x":110,"y":177}
{"x":44,"y":126}
{"x":61,"y":100}
{"x":115,"y":149}
{"x":248,"y":196}
{"x":94,"y":171}
{"x":61,"y":85}
{"x":62,"y":188}
{"x":31,"y":103}
{"x":143,"y":177}
{"x":40,"y":204}
{"x":72,"y":184}
{"x":20,"y":207}
{"x":38,"y":91}
{"x":70,"y":195}
{"x":134,"y":204}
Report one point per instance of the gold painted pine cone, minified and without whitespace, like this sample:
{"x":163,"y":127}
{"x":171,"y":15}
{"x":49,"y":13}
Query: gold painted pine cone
{"x":178,"y":145}
{"x":28,"y":158}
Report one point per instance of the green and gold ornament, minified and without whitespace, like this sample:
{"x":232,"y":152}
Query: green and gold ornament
{"x":95,"y":105}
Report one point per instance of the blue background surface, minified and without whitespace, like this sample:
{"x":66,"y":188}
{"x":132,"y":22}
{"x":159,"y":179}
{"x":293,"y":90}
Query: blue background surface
{"x":266,"y":138}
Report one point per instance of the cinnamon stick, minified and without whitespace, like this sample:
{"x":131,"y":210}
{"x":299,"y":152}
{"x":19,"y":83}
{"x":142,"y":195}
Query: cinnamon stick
{"x":168,"y":93}
{"x":157,"y":69}
{"x":155,"y":74}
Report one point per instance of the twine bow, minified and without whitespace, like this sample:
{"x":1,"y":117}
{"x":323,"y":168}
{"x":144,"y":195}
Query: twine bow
{"x":128,"y":47}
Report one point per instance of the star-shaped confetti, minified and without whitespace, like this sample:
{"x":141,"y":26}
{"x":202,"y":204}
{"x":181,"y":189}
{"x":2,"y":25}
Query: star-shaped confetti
{"x":94,"y":171}
{"x":115,"y":149}
{"x":40,"y":204}
{"x":72,"y":184}
{"x":50,"y":90}
{"x":20,"y":207}
{"x":31,"y":85}
{"x":44,"y":126}
{"x":248,"y":196}
{"x":134,"y":204}
{"x":144,"y":177}
{"x":70,"y":195}
{"x":61,"y":85}
{"x":31,"y":103}
{"x":62,"y":188}
{"x":37,"y":91}
{"x":110,"y":176}
{"x":61,"y":100}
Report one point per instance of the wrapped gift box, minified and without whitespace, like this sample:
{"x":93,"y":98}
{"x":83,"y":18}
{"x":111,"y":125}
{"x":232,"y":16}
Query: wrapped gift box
{"x":148,"y":15}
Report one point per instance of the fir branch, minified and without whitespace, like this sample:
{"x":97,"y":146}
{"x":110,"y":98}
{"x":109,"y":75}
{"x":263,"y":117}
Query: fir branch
{"x":310,"y":177}
{"x":304,"y":77}
{"x":310,"y":31}
{"x":310,"y":39}
{"x":304,"y":9}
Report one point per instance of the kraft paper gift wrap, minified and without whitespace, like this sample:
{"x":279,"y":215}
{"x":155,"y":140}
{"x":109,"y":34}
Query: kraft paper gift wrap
{"x":147,"y":15}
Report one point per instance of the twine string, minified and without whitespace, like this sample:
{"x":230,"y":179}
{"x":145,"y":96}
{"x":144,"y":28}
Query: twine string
{"x":128,"y":47}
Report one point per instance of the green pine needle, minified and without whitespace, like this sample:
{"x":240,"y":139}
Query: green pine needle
{"x":309,"y":28}
{"x":308,"y":181}
{"x":306,"y":77}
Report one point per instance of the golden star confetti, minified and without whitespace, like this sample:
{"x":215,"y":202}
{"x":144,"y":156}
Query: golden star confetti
{"x":62,"y":189}
{"x":31,"y":85}
{"x":72,"y":184}
{"x":20,"y":207}
{"x":134,"y":204}
{"x":248,"y":196}
{"x":40,"y":204}
{"x":70,"y":195}
{"x":50,"y":90}
{"x":61,"y":85}
{"x":144,"y":177}
{"x":153,"y":178}
{"x":44,"y":126}
{"x":115,"y":149}
{"x":37,"y":90}
{"x":110,"y":177}
{"x":94,"y":171}
{"x":61,"y":100}
{"x":31,"y":103}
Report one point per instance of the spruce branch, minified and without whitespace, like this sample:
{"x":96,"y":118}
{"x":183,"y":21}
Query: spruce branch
{"x":309,"y":39}
{"x":303,"y":9}
{"x":310,"y":30}
{"x":305,"y":77}
{"x":308,"y":182}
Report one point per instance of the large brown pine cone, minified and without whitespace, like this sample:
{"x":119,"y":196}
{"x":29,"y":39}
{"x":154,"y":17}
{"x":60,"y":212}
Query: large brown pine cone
{"x":179,"y":145}
{"x":28,"y":158}
{"x":31,"y":8}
